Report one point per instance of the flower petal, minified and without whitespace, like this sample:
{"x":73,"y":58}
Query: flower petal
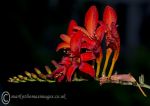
{"x":91,"y":19}
{"x":72,"y":24}
{"x":83,"y":30}
{"x":65,"y":61}
{"x":109,"y":16}
{"x":70,"y":71}
{"x":75,"y":43}
{"x":87,"y":56}
{"x":88,"y":69}
{"x":89,"y":41}
{"x":65,"y":38}
{"x":100,"y":32}
{"x":62,"y":45}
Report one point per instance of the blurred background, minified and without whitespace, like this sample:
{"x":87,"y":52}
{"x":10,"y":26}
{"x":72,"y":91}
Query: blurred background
{"x":30,"y":34}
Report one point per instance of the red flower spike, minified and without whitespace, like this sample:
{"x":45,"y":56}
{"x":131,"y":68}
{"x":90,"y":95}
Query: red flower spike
{"x":87,"y":56}
{"x":70,"y":71}
{"x":88,"y":69}
{"x":109,"y":16}
{"x":89,"y":38}
{"x":62,"y":45}
{"x":75,"y":43}
{"x":71,"y":26}
{"x":91,"y":20}
{"x":65,"y":38}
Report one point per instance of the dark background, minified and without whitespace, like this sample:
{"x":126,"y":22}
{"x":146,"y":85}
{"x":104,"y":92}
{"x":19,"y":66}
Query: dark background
{"x":30,"y":34}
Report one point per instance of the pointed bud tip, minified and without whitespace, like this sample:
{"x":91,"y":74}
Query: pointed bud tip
{"x":109,"y":16}
{"x":108,"y":7}
{"x":93,"y":7}
{"x":37,"y":70}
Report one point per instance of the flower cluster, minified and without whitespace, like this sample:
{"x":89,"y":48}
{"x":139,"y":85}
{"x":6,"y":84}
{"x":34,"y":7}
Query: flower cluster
{"x":83,"y":48}
{"x":84,"y":53}
{"x":84,"y":44}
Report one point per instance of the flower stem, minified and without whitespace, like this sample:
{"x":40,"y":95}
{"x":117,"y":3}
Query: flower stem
{"x":111,"y":68}
{"x":108,"y":53}
{"x":98,"y":67}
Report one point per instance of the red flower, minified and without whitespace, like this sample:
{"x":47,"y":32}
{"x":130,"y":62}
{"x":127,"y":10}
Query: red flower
{"x":66,"y":38}
{"x":75,"y":59}
{"x":93,"y":34}
{"x":81,"y":63}
{"x":68,"y":65}
{"x":112,"y":37}
{"x":94,"y":28}
{"x":89,"y":38}
{"x":91,"y":23}
{"x":61,"y":68}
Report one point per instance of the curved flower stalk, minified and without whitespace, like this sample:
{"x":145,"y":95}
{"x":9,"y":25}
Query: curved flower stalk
{"x":125,"y":79}
{"x":82,"y":46}
{"x":31,"y":77}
